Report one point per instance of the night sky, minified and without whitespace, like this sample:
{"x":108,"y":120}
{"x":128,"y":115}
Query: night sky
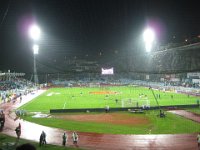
{"x":84,"y":29}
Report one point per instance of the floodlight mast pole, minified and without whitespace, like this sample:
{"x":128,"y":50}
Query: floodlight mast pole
{"x":34,"y":33}
{"x":155,"y":97}
{"x":35,"y":70}
{"x":35,"y":52}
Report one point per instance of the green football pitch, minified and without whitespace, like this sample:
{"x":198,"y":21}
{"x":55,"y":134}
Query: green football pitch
{"x":117,"y":96}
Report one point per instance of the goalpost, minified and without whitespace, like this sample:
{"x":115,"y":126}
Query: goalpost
{"x":94,"y":85}
{"x":131,"y":102}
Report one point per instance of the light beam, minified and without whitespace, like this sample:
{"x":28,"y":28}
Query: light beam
{"x":149,"y":37}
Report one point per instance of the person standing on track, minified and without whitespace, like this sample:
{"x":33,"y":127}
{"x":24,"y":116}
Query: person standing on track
{"x":43,"y":139}
{"x":20,"y":99}
{"x":18,"y":131}
{"x":75,"y":137}
{"x":198,"y":140}
{"x":2,"y":119}
{"x":64,"y":137}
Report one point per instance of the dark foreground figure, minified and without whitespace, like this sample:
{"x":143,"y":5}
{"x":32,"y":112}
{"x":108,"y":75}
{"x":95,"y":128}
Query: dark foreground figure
{"x":43,"y":139}
{"x":26,"y":146}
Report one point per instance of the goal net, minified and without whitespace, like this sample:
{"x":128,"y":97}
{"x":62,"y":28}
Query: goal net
{"x":131,"y":102}
{"x":94,"y":84}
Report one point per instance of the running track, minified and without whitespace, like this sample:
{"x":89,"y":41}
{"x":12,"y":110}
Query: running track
{"x":91,"y":141}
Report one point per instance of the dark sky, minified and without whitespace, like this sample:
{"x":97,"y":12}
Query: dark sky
{"x":79,"y":28}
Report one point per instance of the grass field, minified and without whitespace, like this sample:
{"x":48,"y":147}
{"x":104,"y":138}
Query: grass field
{"x":69,"y":98}
{"x":170,"y":125}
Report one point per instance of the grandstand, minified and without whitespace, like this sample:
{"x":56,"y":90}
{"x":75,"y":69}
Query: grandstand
{"x":14,"y":85}
{"x":169,"y":66}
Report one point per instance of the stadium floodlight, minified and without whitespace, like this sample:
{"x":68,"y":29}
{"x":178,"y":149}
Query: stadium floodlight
{"x":149,"y":38}
{"x":34,"y":32}
{"x":35,"y":49}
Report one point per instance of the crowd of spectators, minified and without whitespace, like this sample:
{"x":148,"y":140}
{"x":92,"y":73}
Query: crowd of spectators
{"x":13,"y":88}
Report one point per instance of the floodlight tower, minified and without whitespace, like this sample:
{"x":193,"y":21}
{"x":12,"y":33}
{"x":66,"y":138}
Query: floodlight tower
{"x":35,"y":52}
{"x":149,"y":37}
{"x":34,"y":33}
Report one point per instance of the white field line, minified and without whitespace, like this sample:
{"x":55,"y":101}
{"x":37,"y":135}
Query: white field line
{"x":50,"y":94}
{"x":29,"y":97}
{"x":64,"y":105}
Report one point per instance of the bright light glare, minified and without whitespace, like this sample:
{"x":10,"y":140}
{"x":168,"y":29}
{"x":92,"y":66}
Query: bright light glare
{"x":35,"y":49}
{"x":148,"y":47}
{"x":149,"y":37}
{"x":34,"y":32}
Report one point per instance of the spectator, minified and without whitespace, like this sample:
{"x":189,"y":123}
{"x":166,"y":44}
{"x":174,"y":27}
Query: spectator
{"x":64,"y":137}
{"x":75,"y":137}
{"x":18,"y":131}
{"x":107,"y":109}
{"x":20,"y":99}
{"x":3,"y":119}
{"x":43,"y":138}
{"x":26,"y":146}
{"x":198,"y":140}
